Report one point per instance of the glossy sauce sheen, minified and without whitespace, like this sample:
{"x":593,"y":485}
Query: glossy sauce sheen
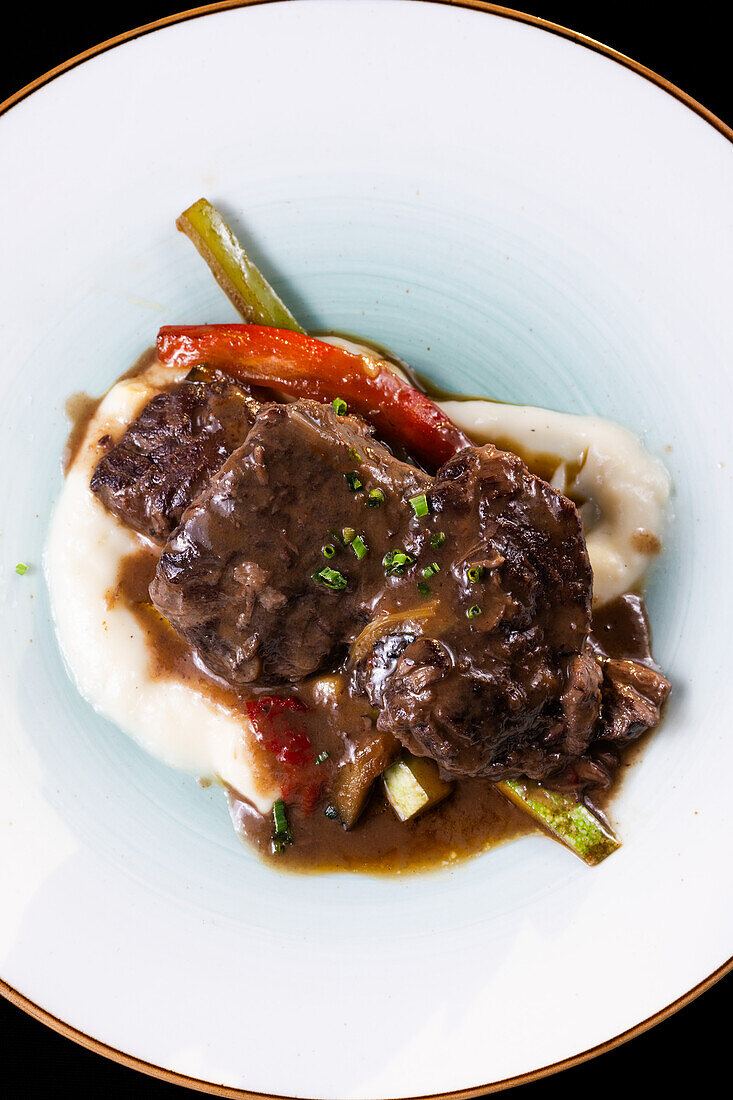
{"x":474,"y":818}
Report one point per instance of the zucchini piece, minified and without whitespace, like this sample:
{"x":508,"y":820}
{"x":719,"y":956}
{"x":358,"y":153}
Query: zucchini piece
{"x":413,"y":784}
{"x":569,"y":821}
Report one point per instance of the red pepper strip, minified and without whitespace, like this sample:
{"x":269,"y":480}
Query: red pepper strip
{"x":301,"y":781}
{"x":305,"y":367}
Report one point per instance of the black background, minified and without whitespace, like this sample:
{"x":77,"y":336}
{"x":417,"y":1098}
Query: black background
{"x":687,"y":1053}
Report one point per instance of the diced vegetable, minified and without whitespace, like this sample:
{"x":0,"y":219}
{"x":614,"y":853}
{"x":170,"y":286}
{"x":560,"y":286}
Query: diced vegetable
{"x":355,"y":778}
{"x":359,"y":546}
{"x":304,"y":367}
{"x":331,"y":578}
{"x":240,"y":279}
{"x":413,"y":784}
{"x":568,"y":820}
{"x":274,"y":721}
{"x":420,"y":505}
{"x":396,"y":561}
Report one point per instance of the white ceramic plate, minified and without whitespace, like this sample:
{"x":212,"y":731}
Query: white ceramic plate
{"x":515,"y":214}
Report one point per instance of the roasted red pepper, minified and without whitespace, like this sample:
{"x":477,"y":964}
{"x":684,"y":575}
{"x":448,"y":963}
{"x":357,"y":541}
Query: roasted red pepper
{"x":305,"y":367}
{"x":301,"y":781}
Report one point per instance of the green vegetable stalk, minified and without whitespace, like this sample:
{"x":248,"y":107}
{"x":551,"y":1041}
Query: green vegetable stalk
{"x":568,"y":820}
{"x":242,"y":282}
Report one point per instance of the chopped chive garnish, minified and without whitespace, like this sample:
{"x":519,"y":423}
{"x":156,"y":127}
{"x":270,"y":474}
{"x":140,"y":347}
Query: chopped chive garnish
{"x":431,"y":570}
{"x":340,"y":406}
{"x":376,"y":498}
{"x":331,"y":812}
{"x":396,"y":561}
{"x":420,"y":505}
{"x":21,"y":568}
{"x":336,"y":535}
{"x":475,"y":573}
{"x":328,"y":550}
{"x":353,"y":481}
{"x":322,"y":757}
{"x":347,"y":535}
{"x":282,"y":834}
{"x":280,"y":817}
{"x":437,"y":540}
{"x":359,"y":547}
{"x":354,"y":455}
{"x":473,"y":611}
{"x":331,"y":578}
{"x":423,"y":588}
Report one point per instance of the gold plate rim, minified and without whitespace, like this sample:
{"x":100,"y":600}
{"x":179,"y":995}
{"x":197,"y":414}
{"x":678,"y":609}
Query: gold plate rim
{"x":87,"y":1041}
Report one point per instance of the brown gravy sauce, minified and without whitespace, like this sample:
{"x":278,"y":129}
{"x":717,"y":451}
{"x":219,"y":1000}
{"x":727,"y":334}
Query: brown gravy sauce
{"x":473,"y":819}
{"x":79,"y":409}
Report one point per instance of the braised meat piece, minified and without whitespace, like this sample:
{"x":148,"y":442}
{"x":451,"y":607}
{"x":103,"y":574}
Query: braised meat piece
{"x":245,"y":578}
{"x":633,"y":689}
{"x":460,"y":605}
{"x":167,"y":455}
{"x":500,"y":684}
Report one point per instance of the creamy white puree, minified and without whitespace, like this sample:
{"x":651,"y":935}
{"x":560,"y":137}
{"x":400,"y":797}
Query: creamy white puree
{"x":106,"y":650}
{"x":104,"y":647}
{"x":626,"y":487}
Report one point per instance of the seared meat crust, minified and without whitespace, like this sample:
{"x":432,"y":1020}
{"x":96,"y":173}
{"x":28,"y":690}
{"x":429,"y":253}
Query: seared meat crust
{"x":167,"y":455}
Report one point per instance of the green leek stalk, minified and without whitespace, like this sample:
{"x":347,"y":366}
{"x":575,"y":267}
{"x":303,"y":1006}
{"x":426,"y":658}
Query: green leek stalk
{"x":240,"y":279}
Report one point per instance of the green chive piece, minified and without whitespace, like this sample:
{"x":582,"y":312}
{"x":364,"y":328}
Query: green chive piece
{"x":331,"y":812}
{"x":280,"y":817}
{"x":431,"y":570}
{"x":331,"y":578}
{"x":340,"y":406}
{"x":322,"y":757}
{"x":420,"y":505}
{"x":335,"y":535}
{"x":437,"y":539}
{"x":282,"y":834}
{"x":475,"y":573}
{"x":423,"y":588}
{"x":353,"y":481}
{"x":348,"y":535}
{"x":354,"y":455}
{"x":328,"y":550}
{"x":396,"y":561}
{"x":376,"y":498}
{"x":473,"y":611}
{"x":21,"y":568}
{"x":359,"y":547}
